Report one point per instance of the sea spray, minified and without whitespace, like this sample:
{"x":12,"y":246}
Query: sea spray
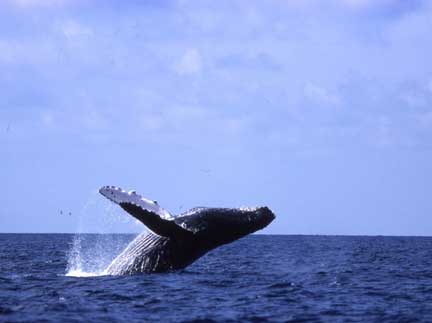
{"x":75,"y":265}
{"x":91,"y":253}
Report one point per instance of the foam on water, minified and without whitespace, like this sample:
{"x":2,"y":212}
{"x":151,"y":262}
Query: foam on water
{"x":80,"y":273}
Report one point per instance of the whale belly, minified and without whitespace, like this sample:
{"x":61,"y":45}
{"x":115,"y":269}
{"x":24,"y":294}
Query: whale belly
{"x":150,"y":253}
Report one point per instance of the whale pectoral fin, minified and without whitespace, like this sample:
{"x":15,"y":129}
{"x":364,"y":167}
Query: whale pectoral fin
{"x":147,"y":211}
{"x":117,"y":195}
{"x":162,"y":227}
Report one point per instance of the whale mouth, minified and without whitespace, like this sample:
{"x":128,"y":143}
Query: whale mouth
{"x":119,"y":196}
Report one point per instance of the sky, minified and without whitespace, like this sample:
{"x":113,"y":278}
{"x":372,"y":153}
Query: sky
{"x":321,"y":110}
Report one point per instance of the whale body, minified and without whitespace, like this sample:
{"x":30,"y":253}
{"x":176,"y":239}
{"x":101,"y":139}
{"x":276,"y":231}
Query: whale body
{"x":173,"y":243}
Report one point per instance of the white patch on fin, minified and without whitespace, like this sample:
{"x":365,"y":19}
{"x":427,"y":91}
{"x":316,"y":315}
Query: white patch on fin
{"x":248,"y":208}
{"x":117,"y":195}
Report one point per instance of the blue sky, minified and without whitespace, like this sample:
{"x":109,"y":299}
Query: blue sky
{"x":321,"y":110}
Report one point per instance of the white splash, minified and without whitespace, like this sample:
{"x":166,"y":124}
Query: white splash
{"x":87,"y":262}
{"x":79,"y":273}
{"x":90,"y":254}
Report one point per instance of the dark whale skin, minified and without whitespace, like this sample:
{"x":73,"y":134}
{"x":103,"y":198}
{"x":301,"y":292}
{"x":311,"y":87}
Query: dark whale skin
{"x":186,"y":238}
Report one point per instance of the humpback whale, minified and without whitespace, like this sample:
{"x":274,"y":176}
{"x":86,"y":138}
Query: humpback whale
{"x":174,"y":242}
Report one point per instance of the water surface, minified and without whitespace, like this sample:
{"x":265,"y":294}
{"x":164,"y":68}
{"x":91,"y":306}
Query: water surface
{"x":261,"y":278}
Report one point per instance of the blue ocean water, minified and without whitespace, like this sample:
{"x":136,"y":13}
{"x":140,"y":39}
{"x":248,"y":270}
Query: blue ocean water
{"x":260,"y":278}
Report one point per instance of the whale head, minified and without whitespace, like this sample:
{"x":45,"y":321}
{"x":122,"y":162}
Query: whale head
{"x":224,"y":225}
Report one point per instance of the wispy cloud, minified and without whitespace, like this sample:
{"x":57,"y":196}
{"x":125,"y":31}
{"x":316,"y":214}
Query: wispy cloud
{"x":140,"y":68}
{"x":189,"y":63}
{"x":71,"y":28}
{"x":321,"y":95}
{"x":31,"y":4}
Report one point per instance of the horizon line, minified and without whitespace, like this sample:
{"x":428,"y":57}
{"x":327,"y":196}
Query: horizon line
{"x":261,"y":234}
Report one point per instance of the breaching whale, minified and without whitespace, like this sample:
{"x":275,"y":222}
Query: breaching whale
{"x":175,"y":242}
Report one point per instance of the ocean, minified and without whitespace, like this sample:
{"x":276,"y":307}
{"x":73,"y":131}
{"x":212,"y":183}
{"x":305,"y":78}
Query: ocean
{"x":260,"y":278}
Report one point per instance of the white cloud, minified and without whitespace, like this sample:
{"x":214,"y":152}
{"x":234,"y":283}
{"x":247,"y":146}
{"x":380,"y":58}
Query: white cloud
{"x":383,"y":132}
{"x":429,"y":86}
{"x":152,"y":122}
{"x":425,"y":120}
{"x":365,"y":4}
{"x":74,"y":29}
{"x":7,"y":52}
{"x":413,"y":100}
{"x":358,"y":4}
{"x":236,"y":125}
{"x":189,"y":63}
{"x":93,"y":120}
{"x":37,"y":3}
{"x":277,"y":66}
{"x":47,"y":118}
{"x":321,"y":95}
{"x":34,"y":51}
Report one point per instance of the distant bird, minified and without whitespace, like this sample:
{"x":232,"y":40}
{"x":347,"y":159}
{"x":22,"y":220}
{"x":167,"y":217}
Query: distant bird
{"x":205,"y":170}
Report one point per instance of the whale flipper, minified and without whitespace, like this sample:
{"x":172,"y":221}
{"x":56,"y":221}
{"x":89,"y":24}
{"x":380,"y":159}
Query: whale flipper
{"x":157,"y":219}
{"x":162,"y":227}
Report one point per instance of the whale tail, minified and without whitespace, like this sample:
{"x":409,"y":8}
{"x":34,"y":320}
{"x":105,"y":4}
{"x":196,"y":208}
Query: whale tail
{"x":154,"y":217}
